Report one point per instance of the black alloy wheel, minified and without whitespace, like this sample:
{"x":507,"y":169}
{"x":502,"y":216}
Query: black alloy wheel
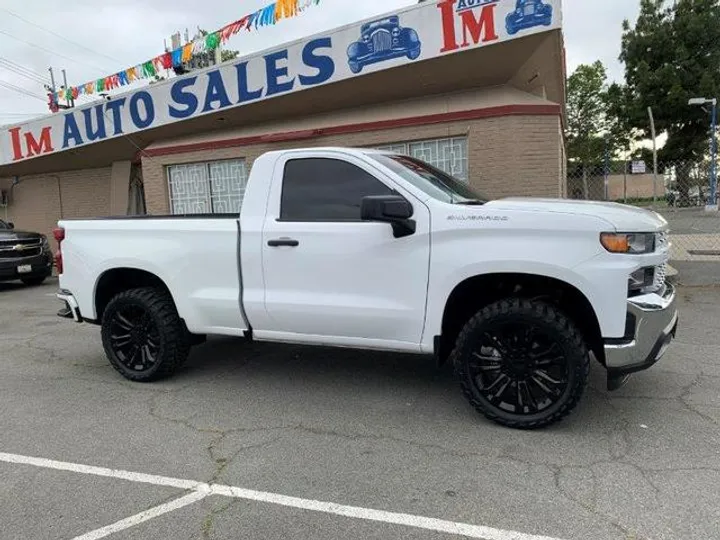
{"x":522,"y":363}
{"x":518,"y":367}
{"x":144,"y":338}
{"x":134,"y":338}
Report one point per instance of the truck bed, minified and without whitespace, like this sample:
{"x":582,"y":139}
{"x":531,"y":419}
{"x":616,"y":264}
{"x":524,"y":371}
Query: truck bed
{"x":196,"y":256}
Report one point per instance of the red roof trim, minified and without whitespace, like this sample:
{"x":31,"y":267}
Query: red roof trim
{"x":442,"y":118}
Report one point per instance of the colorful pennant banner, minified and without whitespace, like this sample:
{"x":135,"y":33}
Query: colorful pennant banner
{"x":267,"y":16}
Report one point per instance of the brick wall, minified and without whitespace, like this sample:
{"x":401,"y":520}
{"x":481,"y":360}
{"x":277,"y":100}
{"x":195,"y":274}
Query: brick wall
{"x":513,"y":155}
{"x":38,"y":202}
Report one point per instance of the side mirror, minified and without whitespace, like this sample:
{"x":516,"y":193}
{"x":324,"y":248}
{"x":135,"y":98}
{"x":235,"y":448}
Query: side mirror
{"x":11,"y":225}
{"x":392,"y":209}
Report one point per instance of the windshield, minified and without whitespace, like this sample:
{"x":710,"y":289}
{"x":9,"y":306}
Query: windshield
{"x":436,"y":183}
{"x":3,"y":225}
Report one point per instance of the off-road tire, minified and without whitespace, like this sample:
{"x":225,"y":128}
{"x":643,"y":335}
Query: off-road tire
{"x":553,"y":322}
{"x":173,"y":342}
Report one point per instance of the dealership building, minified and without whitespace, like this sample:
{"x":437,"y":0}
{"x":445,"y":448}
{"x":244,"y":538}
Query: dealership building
{"x":476,"y":88}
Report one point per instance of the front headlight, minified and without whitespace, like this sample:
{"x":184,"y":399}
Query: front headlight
{"x":44,"y":242}
{"x":632,"y":243}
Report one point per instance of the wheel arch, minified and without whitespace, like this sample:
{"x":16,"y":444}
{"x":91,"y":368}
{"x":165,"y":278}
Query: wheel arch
{"x":472,"y":294}
{"x":117,"y":280}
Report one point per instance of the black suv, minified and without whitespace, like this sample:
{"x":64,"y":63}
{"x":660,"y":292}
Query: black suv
{"x":24,"y":255}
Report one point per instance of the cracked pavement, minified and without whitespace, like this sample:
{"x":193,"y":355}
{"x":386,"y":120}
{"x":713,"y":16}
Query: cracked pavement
{"x":383,"y":431}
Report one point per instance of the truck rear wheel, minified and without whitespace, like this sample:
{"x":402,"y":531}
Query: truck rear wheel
{"x":143,"y":336}
{"x":522,"y":363}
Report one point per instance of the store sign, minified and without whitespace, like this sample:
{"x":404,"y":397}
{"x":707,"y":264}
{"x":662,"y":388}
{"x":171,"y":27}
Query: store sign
{"x":421,"y":32}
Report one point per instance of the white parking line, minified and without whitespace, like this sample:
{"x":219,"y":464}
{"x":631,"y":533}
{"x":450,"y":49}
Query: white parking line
{"x":201,"y":490}
{"x":147,"y":515}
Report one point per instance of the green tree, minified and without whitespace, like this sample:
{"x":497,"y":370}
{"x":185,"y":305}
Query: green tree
{"x":620,"y":130}
{"x":225,"y":54}
{"x":672,"y":54}
{"x":587,"y":117}
{"x":228,"y":54}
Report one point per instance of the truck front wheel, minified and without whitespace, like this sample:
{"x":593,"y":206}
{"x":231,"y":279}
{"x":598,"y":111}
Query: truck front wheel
{"x":143,"y":336}
{"x":522,"y":363}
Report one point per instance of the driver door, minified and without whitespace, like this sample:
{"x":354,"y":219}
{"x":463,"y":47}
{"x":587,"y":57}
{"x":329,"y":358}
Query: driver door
{"x":331,"y":277}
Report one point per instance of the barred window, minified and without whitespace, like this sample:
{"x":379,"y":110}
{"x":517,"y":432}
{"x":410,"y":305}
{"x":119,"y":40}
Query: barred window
{"x":213,"y":187}
{"x":449,"y":155}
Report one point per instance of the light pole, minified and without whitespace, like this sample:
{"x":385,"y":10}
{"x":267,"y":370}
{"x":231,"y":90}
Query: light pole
{"x":712,"y":203}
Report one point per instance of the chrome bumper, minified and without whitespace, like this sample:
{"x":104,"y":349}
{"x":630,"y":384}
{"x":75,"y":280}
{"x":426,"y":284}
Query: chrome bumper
{"x":72,"y":309}
{"x":655,"y":323}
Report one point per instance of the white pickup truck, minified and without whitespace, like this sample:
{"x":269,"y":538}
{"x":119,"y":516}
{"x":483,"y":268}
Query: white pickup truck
{"x":373,"y":250}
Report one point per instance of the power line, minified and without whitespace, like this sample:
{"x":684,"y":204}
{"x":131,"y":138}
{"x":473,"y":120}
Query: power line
{"x":23,"y":73}
{"x":52,"y":52}
{"x":60,"y":36}
{"x":21,"y":90}
{"x":14,"y":66}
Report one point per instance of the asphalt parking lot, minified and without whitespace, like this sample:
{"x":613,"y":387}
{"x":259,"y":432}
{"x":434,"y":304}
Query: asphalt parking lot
{"x":263,"y":441}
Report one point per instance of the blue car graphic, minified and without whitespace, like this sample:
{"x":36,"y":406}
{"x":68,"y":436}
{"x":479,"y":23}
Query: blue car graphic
{"x":527,"y":14}
{"x":381,"y":40}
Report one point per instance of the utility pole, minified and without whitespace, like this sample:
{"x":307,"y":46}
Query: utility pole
{"x":71,"y":100}
{"x":52,"y":80}
{"x":53,"y":104}
{"x":712,"y":203}
{"x":655,"y":165}
{"x":53,"y":89}
{"x":607,"y":167}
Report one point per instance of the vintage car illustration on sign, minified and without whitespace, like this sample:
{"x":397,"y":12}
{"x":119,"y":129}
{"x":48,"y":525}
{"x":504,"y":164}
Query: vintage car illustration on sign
{"x":381,"y":40}
{"x":528,"y":14}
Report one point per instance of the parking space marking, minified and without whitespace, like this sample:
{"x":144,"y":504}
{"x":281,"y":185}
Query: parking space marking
{"x":201,"y":490}
{"x":101,"y":471}
{"x":147,"y":515}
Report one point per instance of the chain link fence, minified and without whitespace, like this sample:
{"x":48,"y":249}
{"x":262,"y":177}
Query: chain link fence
{"x":680,"y":192}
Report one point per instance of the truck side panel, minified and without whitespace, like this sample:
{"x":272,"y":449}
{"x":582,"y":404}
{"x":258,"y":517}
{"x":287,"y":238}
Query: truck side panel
{"x":195,"y":258}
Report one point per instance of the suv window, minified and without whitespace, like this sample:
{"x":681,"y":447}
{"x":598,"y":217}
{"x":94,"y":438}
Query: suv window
{"x":323,"y":189}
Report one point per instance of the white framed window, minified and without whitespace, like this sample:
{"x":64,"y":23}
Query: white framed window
{"x":212,"y":187}
{"x":449,"y":154}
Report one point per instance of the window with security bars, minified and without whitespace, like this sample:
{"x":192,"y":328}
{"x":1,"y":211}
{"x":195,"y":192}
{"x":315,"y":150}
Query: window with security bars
{"x":449,"y":155}
{"x":214,"y":187}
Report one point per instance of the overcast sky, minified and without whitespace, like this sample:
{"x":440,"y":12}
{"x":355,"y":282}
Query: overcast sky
{"x":115,"y":34}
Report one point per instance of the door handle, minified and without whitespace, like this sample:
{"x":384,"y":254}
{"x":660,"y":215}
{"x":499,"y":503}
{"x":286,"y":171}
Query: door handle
{"x":283,"y":242}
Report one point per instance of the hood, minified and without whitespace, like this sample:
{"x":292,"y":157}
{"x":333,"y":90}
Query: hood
{"x":623,"y":217}
{"x":12,"y":234}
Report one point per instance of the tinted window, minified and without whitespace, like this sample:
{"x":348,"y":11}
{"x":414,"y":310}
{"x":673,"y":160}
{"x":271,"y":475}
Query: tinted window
{"x":319,"y":189}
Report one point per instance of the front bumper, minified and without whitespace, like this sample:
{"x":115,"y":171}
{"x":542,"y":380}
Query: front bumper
{"x":41,"y":265}
{"x":654,"y":321}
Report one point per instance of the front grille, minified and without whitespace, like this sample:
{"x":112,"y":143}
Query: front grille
{"x":382,"y":41}
{"x":17,"y":249}
{"x":660,"y":276}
